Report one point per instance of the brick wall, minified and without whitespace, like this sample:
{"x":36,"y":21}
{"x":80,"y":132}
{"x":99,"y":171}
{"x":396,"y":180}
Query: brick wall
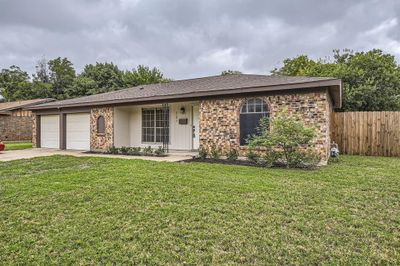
{"x":102,"y":142}
{"x":15,"y":128}
{"x":220,"y":118}
{"x":21,"y":113}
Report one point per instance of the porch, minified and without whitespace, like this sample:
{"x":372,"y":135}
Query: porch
{"x":173,"y":126}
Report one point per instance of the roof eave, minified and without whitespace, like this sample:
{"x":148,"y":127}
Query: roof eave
{"x":314,"y":84}
{"x":26,"y":106}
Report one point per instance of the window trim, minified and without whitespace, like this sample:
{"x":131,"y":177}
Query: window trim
{"x":154,"y":109}
{"x":263,"y":103}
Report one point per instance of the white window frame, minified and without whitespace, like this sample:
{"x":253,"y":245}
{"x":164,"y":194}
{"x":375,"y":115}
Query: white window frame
{"x":154,"y":127}
{"x":254,"y":102}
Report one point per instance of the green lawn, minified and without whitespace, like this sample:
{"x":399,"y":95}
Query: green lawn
{"x":66,"y":210}
{"x":17,"y":145}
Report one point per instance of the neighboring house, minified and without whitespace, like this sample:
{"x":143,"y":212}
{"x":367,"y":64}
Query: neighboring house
{"x":187,"y":114}
{"x":15,"y":121}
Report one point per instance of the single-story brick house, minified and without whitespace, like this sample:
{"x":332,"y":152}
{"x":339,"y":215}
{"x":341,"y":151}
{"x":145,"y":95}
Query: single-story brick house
{"x":15,"y":121}
{"x":186,"y":114}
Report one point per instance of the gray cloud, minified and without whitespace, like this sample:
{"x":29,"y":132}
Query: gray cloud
{"x":192,"y":38}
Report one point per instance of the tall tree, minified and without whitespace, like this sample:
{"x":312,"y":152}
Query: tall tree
{"x":15,"y":84}
{"x":371,"y":80}
{"x":82,"y":86}
{"x":57,"y":79}
{"x":42,"y":71}
{"x":143,"y":75}
{"x":41,"y":81}
{"x":41,"y":89}
{"x":62,"y":75}
{"x":107,"y":76}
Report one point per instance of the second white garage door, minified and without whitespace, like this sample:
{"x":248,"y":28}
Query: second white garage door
{"x":78,"y":132}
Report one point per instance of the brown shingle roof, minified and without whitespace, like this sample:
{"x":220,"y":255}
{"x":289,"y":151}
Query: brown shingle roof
{"x":199,"y":87}
{"x":10,"y":106}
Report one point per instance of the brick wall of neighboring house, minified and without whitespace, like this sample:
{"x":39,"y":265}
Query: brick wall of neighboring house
{"x":16,"y":127}
{"x":220,"y":118}
{"x":102,"y":142}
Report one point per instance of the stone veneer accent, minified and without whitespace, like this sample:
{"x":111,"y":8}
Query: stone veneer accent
{"x":15,"y":128}
{"x":102,"y":142}
{"x":220,"y":125}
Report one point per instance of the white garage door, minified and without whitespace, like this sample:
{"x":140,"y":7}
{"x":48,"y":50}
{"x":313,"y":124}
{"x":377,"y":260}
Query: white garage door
{"x":78,"y":131}
{"x":49,"y":131}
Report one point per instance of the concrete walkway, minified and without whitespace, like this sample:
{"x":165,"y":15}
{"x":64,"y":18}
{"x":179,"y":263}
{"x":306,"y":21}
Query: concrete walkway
{"x":32,"y":153}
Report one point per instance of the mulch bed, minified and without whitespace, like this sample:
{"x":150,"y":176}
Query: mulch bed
{"x":242,"y":163}
{"x":141,"y":155}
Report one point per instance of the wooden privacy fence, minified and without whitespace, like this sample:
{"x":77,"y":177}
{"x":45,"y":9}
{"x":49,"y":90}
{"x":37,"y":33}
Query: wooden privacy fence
{"x":367,"y":133}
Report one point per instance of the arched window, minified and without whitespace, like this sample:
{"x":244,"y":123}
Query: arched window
{"x":101,"y":125}
{"x":251,"y":113}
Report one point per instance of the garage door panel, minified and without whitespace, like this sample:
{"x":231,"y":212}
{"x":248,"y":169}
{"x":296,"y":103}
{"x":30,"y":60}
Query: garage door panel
{"x":78,"y":131}
{"x":50,"y":131}
{"x":51,"y":135}
{"x":76,"y":135}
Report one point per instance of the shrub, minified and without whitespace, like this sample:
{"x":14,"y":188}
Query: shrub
{"x":203,"y":153}
{"x":124,"y":150}
{"x":252,"y":156}
{"x":113,"y":150}
{"x":270,"y":158}
{"x":305,"y":159}
{"x":215,"y":153}
{"x":160,"y":151}
{"x":232,"y":155}
{"x":135,"y":151}
{"x":148,"y":151}
{"x":287,"y":134}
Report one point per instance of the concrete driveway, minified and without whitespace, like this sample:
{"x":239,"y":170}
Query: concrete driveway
{"x":40,"y":152}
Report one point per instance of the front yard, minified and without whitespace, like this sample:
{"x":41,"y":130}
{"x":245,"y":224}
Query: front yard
{"x":67,"y":210}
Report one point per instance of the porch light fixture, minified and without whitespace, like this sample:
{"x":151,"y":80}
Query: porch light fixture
{"x":183,"y":110}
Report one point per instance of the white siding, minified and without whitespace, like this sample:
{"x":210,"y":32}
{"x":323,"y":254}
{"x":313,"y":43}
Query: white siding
{"x":135,"y":126}
{"x":128,"y":125}
{"x":121,"y":128}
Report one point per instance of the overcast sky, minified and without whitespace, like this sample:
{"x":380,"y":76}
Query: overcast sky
{"x":192,"y":38}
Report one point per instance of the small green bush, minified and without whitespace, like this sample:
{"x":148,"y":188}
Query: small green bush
{"x":215,"y":152}
{"x":160,"y":151}
{"x":271,"y":158}
{"x":304,"y":159}
{"x":203,"y":153}
{"x":232,"y":155}
{"x":148,"y":151}
{"x":135,"y":151}
{"x":124,"y":150}
{"x":288,"y":134}
{"x":113,"y":150}
{"x":252,"y":156}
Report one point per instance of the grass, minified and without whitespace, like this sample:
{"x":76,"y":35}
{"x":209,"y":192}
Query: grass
{"x":67,"y":210}
{"x":11,"y":145}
